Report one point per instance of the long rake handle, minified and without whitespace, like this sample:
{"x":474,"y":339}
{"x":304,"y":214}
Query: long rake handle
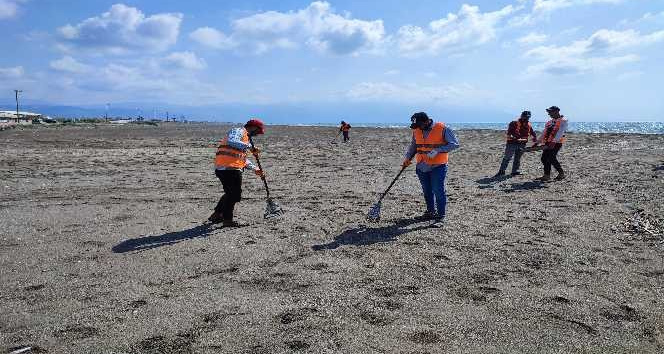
{"x":258,"y":161}
{"x":336,"y":136}
{"x":391,"y":184}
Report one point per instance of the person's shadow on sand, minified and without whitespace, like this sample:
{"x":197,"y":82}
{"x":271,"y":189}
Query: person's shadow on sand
{"x":529,"y":185}
{"x":363,"y":235}
{"x":148,"y":242}
{"x":489,"y":182}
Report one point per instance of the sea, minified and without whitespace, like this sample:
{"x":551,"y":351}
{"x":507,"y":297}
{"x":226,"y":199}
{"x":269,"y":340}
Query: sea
{"x":576,"y":127}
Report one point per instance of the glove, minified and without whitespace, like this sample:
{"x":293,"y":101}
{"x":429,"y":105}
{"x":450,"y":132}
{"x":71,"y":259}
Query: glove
{"x":259,"y":173}
{"x":255,"y":151}
{"x":432,"y":154}
{"x":405,"y":163}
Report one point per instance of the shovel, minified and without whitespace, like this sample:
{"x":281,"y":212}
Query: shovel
{"x":272,"y":209}
{"x":374,"y":212}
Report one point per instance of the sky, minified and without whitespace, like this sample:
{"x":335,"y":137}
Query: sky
{"x":598,"y":60}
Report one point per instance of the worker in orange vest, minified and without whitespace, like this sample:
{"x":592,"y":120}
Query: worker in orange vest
{"x":230,"y":160}
{"x":553,"y":138}
{"x":431,"y":143}
{"x":516,"y":139}
{"x":344,"y":128}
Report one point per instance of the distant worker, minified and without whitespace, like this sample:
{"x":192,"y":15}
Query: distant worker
{"x":553,"y":138}
{"x":345,"y":128}
{"x":517,"y":137}
{"x":230,"y":160}
{"x":431,"y":143}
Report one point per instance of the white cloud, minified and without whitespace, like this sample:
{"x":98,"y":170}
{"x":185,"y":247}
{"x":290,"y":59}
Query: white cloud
{"x":542,"y":9}
{"x":392,"y":72}
{"x":185,"y":60}
{"x":386,"y":91}
{"x":9,"y":8}
{"x":553,"y":5}
{"x":212,"y":38}
{"x":532,"y":38}
{"x":469,"y":27}
{"x":70,"y":65}
{"x":316,"y":26}
{"x":11,"y":73}
{"x":123,"y":29}
{"x":597,"y":52}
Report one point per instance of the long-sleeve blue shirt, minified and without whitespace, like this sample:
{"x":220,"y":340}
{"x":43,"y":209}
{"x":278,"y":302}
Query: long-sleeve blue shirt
{"x":452,"y":143}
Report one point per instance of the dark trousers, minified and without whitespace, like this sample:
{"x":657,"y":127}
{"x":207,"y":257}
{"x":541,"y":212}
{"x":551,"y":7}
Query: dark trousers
{"x":512,"y":149}
{"x":550,"y":158}
{"x":231,"y":180}
{"x":345,"y":136}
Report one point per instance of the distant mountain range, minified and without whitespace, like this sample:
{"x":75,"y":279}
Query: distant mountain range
{"x":300,"y":113}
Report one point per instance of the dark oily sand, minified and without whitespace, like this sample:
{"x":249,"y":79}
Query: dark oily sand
{"x":102,"y":247}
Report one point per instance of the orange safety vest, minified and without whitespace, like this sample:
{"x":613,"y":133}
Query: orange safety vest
{"x":345,"y":127}
{"x":518,"y":130}
{"x":434,"y":140}
{"x":231,"y":157}
{"x":551,"y":129}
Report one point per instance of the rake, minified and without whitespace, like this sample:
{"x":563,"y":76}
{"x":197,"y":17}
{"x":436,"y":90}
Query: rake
{"x":334,"y":141}
{"x":374,"y":212}
{"x":533,"y":148}
{"x":272,"y":209}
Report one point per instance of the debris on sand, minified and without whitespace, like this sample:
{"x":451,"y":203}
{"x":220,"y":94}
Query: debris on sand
{"x":645,"y":225}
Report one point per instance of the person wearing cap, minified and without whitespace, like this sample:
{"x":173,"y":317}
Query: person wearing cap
{"x":517,"y":137}
{"x":431,"y":143}
{"x":345,"y":129}
{"x":553,"y":138}
{"x":231,"y":158}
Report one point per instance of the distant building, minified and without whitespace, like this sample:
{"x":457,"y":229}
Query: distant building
{"x":23,"y":117}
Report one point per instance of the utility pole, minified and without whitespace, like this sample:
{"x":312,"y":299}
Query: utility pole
{"x":17,"y":115}
{"x":166,"y":116}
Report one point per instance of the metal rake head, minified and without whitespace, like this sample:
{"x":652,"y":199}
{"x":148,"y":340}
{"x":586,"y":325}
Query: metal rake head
{"x":374,"y":213}
{"x":272,"y":209}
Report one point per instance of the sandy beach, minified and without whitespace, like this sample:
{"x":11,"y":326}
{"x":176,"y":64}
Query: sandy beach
{"x":103,"y":250}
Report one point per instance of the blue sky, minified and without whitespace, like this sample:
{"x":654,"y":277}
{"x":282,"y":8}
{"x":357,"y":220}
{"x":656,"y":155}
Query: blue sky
{"x":599,"y":60}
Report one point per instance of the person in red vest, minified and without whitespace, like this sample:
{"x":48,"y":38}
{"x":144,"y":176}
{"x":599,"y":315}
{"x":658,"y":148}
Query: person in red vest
{"x":517,"y":137}
{"x":344,"y":128}
{"x":431,"y":143}
{"x":231,"y":158}
{"x":553,"y":138}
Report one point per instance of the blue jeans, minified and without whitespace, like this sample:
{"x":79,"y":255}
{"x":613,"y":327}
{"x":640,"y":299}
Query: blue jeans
{"x":433,"y":185}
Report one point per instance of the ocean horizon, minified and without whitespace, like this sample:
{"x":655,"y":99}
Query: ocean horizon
{"x":574,"y":127}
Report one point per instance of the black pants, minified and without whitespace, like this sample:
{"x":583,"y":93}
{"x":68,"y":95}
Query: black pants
{"x":550,"y":158}
{"x":345,"y":136}
{"x":231,"y":180}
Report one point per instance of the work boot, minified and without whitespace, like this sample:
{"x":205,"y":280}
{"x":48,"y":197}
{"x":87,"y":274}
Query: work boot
{"x":516,"y":173}
{"x":438,"y":221}
{"x":230,"y":223}
{"x":560,"y":176}
{"x":428,"y":215}
{"x":544,"y":178}
{"x":216,"y":218}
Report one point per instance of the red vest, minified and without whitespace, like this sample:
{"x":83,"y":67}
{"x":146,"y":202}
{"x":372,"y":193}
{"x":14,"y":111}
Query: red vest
{"x":551,"y":129}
